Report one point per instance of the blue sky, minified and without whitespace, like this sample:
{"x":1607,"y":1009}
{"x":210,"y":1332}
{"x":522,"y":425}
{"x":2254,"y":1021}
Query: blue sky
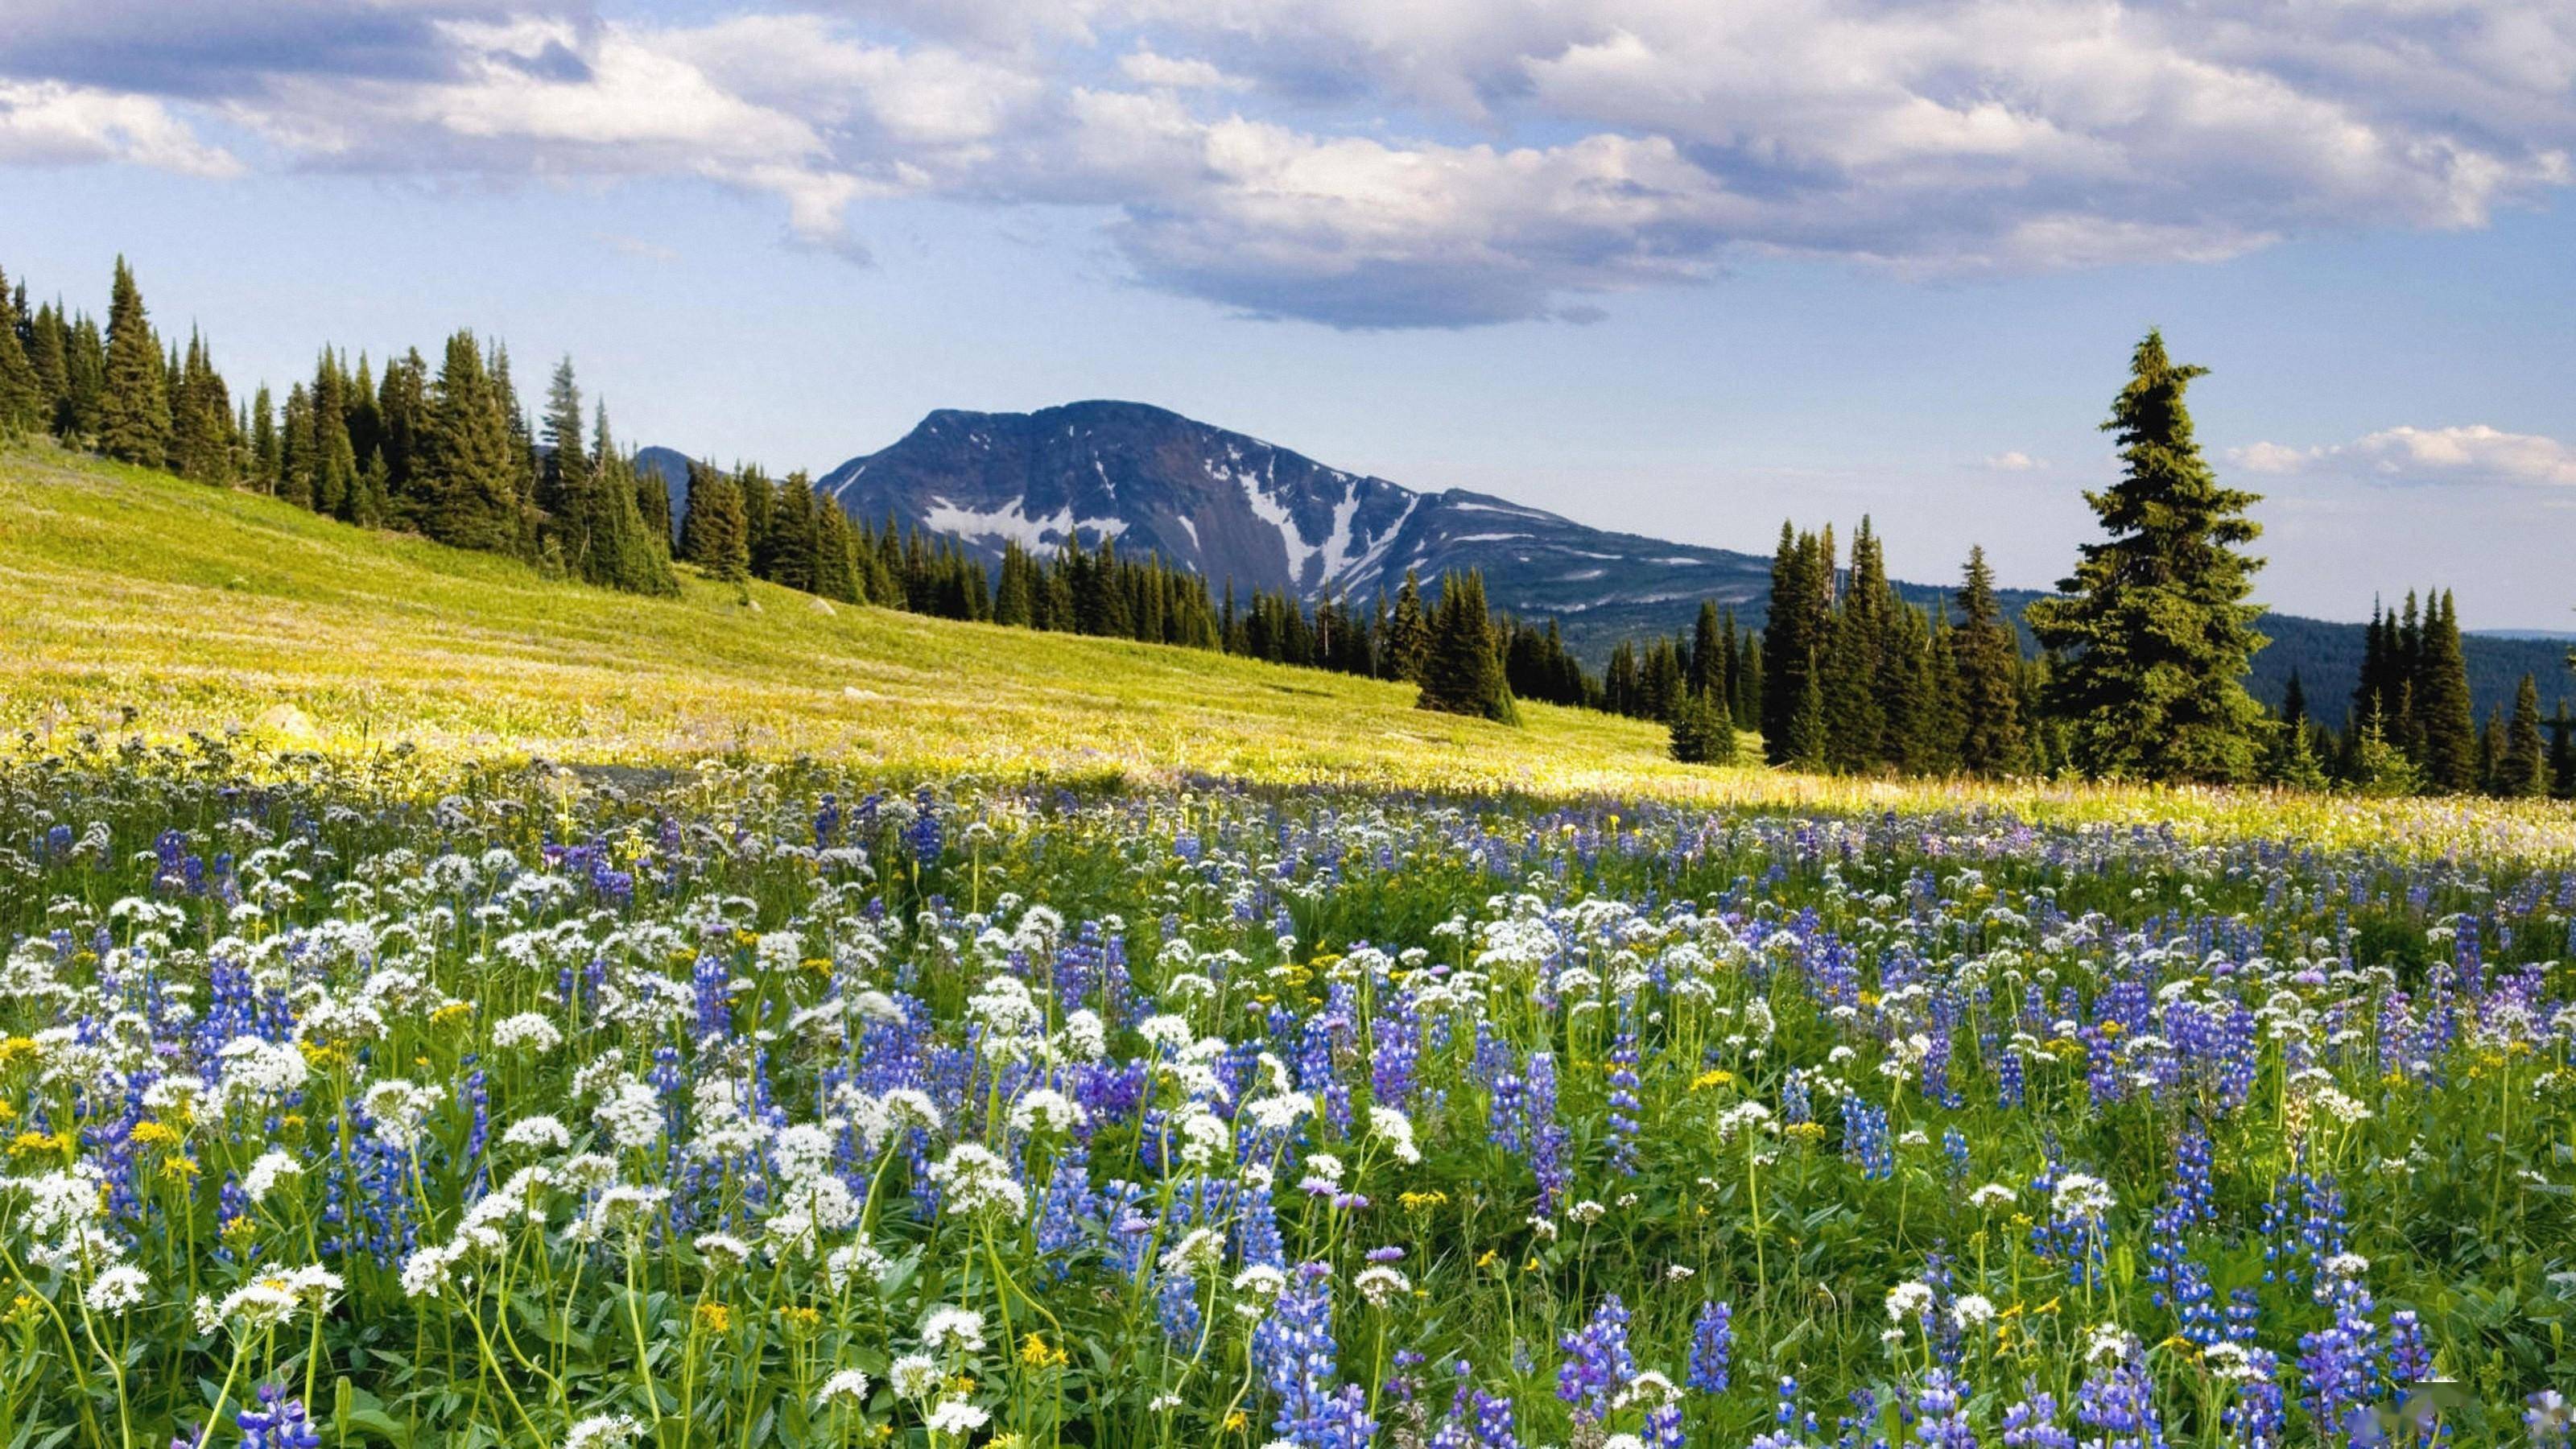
{"x":1656,"y":268}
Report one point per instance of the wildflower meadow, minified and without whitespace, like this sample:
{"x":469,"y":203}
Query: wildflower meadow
{"x":763,"y":1105}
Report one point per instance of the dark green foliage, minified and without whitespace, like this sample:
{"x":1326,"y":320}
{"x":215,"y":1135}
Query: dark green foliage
{"x":469,"y":469}
{"x":2445,"y":722}
{"x":134,"y":402}
{"x":715,"y":535}
{"x":2522,"y":764}
{"x":1793,"y":647}
{"x":1462,"y":671}
{"x":2154,"y":625}
{"x":201,"y":419}
{"x":1986,"y":664}
{"x":1408,"y":633}
{"x":23,"y":404}
{"x":1702,"y":734}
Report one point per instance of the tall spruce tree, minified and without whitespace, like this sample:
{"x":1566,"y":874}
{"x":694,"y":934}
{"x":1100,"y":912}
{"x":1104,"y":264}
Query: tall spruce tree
{"x":469,"y":466}
{"x":23,"y":406}
{"x":715,"y":536}
{"x":1408,"y":632}
{"x":1795,"y":634}
{"x":2154,"y":624}
{"x":1986,"y":659}
{"x":1462,"y":671}
{"x":2522,"y":763}
{"x":2445,"y":718}
{"x":134,"y":402}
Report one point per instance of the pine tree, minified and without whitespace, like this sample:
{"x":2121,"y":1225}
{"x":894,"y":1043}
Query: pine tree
{"x":836,"y":569}
{"x":469,"y":468}
{"x":564,"y":477}
{"x":1408,"y":633}
{"x":2522,"y":763}
{"x":1462,"y":671}
{"x":134,"y":406}
{"x":1794,"y":636}
{"x":402,"y":417}
{"x":2378,"y":767}
{"x":49,"y":357}
{"x":22,"y":395}
{"x":647,"y":567}
{"x":1986,"y":657}
{"x":295,"y":449}
{"x":1701,"y":733}
{"x":713,"y":533}
{"x":2154,"y":624}
{"x":265,"y":457}
{"x":335,"y":458}
{"x":2445,"y":717}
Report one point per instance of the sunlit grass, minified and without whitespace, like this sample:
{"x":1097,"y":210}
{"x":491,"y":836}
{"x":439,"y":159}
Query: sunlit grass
{"x":133,"y":603}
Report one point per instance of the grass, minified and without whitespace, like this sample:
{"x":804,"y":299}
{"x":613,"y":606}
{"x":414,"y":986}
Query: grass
{"x":133,"y":602}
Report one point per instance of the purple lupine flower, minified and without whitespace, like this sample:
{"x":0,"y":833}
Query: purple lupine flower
{"x":1597,"y":1366}
{"x":1712,"y":1348}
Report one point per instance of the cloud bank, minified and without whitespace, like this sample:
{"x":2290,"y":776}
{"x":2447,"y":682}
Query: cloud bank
{"x":2473,"y":454}
{"x":1436,"y":163}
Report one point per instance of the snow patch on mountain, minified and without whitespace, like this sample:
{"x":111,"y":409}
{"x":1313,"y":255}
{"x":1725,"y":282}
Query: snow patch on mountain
{"x":1011,"y":523}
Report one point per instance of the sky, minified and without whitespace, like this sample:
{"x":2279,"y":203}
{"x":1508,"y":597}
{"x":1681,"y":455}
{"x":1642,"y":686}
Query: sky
{"x":1659,"y":265}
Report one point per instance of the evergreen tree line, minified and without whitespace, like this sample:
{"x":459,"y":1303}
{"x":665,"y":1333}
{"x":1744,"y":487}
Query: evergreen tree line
{"x":450,"y":454}
{"x":739,"y":524}
{"x":1852,"y":677}
{"x":2142,"y":659}
{"x":2411,"y":727}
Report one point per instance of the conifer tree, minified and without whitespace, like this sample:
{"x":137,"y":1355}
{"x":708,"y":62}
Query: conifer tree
{"x":1708,"y":653}
{"x":1701,"y":733}
{"x":85,"y":380}
{"x":134,"y":403}
{"x":49,"y":357}
{"x":2522,"y":763}
{"x":2445,"y":717}
{"x":295,"y":449}
{"x":1794,"y":636}
{"x":335,"y":458}
{"x":1986,"y":657}
{"x":1854,"y":663}
{"x":834,"y":575}
{"x":2154,"y":625}
{"x":265,"y":457}
{"x":564,"y":469}
{"x":1408,"y":633}
{"x":713,"y":534}
{"x":22,"y":395}
{"x":402,"y":419}
{"x":603,"y":537}
{"x":1462,"y":671}
{"x":469,"y":467}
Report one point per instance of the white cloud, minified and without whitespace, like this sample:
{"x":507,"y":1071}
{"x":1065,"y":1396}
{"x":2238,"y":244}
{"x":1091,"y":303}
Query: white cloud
{"x":47,"y":123}
{"x":1145,"y":68}
{"x":2014,"y":461}
{"x":2476,"y":453}
{"x":1439,"y":162}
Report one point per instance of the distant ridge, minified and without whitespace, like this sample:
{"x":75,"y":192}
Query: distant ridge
{"x":1236,"y":508}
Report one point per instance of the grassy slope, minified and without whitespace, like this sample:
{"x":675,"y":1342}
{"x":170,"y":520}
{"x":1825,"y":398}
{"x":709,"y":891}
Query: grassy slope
{"x":134,"y":602}
{"x":199,"y":608}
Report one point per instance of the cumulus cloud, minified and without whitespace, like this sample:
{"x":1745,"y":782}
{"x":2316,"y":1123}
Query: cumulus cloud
{"x":47,"y":123}
{"x":2015,"y":461}
{"x":2475,"y":454}
{"x":1436,"y":163}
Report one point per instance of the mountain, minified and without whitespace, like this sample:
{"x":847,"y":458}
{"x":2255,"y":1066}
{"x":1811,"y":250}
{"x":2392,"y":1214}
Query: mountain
{"x":1236,"y":508}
